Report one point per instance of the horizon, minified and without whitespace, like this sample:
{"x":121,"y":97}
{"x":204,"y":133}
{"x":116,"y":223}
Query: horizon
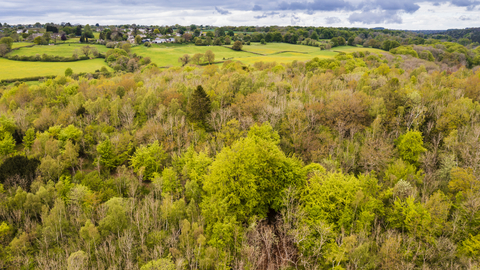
{"x":408,"y":15}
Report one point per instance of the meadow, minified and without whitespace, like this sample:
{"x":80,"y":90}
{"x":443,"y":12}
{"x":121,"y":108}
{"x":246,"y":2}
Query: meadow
{"x":65,"y":50}
{"x":18,"y":69}
{"x":164,"y":55}
{"x":167,"y":54}
{"x":21,"y":44}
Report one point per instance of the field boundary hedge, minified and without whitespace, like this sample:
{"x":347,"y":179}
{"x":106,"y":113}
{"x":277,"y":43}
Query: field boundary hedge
{"x":50,"y":58}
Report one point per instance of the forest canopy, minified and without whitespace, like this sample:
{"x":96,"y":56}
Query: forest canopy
{"x":362,"y":161}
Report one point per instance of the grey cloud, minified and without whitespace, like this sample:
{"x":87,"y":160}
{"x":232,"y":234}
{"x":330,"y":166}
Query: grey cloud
{"x":222,"y":11}
{"x":256,"y":8}
{"x":266,"y":15}
{"x":310,"y":12}
{"x":332,"y":20}
{"x":464,"y":18}
{"x":294,"y":20}
{"x":378,"y":16}
{"x":325,"y":5}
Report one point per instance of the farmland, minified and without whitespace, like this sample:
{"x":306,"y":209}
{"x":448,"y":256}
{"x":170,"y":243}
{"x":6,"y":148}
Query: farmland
{"x":167,"y":55}
{"x":65,"y":50}
{"x":163,"y":55}
{"x":18,"y":69}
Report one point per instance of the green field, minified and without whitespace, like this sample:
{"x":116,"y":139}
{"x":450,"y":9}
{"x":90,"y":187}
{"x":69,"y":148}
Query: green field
{"x":65,"y":50}
{"x":21,"y":44}
{"x":272,"y":48}
{"x":168,"y":54}
{"x":164,"y":55}
{"x":18,"y":69}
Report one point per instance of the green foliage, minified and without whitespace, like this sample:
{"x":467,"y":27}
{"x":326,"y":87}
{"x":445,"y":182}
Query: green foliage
{"x":147,"y":160}
{"x":410,"y":146}
{"x":7,"y":144}
{"x":199,"y":105}
{"x":68,"y":72}
{"x":239,"y":184}
{"x":160,"y":264}
{"x":106,"y":155}
{"x":405,"y":51}
{"x":237,"y":45}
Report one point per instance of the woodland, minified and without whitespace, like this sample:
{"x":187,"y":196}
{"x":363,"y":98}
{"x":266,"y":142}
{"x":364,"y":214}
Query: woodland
{"x":361,"y":161}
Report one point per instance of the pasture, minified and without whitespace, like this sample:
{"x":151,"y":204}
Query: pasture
{"x":164,"y":55}
{"x":21,"y":44}
{"x":19,"y":69}
{"x":167,"y":54}
{"x":65,"y":50}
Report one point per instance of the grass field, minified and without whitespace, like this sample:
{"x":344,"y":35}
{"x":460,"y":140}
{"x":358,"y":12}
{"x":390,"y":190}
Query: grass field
{"x":65,"y":50}
{"x":168,"y":54}
{"x":164,"y":55}
{"x":17,"y":69}
{"x":21,"y":44}
{"x":272,"y":48}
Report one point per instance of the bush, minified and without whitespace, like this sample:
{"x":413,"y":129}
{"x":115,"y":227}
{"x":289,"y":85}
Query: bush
{"x":237,"y":45}
{"x":68,"y":72}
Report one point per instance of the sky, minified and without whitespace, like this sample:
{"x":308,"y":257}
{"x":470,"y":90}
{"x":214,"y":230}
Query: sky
{"x":392,"y":14}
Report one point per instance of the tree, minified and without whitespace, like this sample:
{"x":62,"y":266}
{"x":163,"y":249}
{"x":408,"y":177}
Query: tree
{"x":351,"y":41}
{"x":29,"y":138}
{"x":147,"y":160}
{"x":410,"y":146}
{"x":227,"y":40}
{"x":160,"y":264}
{"x":199,"y":105}
{"x":237,"y":45}
{"x":8,"y":41}
{"x":185,"y":59}
{"x":39,"y":41}
{"x":78,"y":30}
{"x":249,"y":178}
{"x":70,"y":155}
{"x":156,"y":31}
{"x":262,"y":41}
{"x":88,"y":31}
{"x":209,"y":57}
{"x":3,"y":50}
{"x":68,"y":72}
{"x":106,"y":156}
{"x":197,"y":58}
{"x":64,"y":37}
{"x":196,"y":33}
{"x":126,"y":47}
{"x":7,"y":143}
{"x":85,"y":50}
{"x":138,"y":39}
{"x":47,"y":37}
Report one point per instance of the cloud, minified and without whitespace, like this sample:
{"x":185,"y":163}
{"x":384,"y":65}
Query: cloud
{"x":256,"y":8}
{"x":332,"y":20}
{"x":464,"y":18}
{"x":222,"y":11}
{"x":266,"y":15}
{"x":310,"y":12}
{"x":377,"y":16}
{"x":319,"y":5}
{"x":295,"y":20}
